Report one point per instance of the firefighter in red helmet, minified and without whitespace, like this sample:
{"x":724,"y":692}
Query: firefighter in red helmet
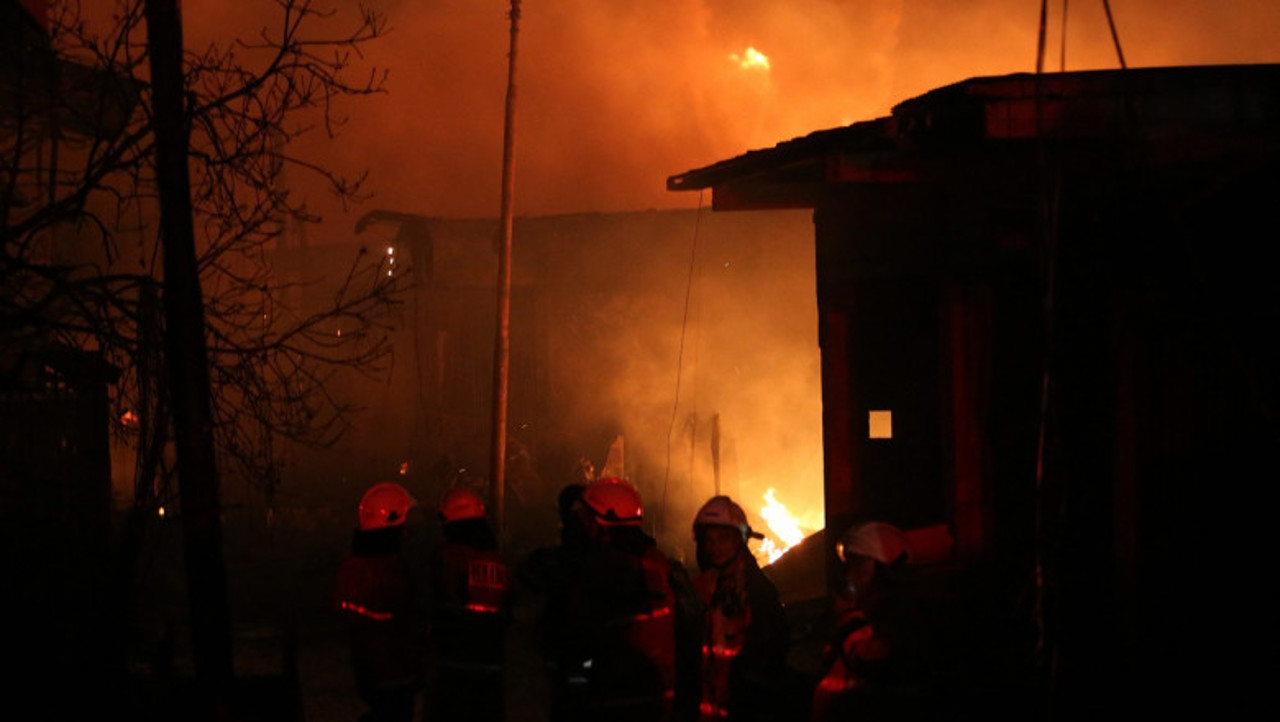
{"x":745,"y":634}
{"x":384,"y":610}
{"x":621,"y":630}
{"x":469,"y":612}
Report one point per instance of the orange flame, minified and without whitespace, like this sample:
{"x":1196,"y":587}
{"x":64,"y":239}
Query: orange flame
{"x":786,"y":529}
{"x":751,"y":59}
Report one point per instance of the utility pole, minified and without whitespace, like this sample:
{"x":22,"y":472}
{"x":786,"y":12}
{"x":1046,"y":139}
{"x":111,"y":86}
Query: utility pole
{"x":187,"y":360}
{"x":502,"y":347}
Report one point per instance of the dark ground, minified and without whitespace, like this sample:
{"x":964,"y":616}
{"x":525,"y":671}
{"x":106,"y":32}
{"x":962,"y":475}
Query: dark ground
{"x":281,"y":582}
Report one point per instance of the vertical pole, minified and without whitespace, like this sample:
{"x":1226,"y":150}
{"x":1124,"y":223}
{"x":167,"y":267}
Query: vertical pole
{"x":1040,"y":37}
{"x":503,"y":342}
{"x":186,"y":359}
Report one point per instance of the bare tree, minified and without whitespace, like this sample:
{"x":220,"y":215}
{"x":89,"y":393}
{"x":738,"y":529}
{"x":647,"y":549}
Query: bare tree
{"x":80,"y":266}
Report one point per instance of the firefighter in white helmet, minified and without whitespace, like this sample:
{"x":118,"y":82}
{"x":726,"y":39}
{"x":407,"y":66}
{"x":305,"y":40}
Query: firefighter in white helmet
{"x":864,"y":658}
{"x":384,"y":610}
{"x":744,"y":631}
{"x":469,"y":585}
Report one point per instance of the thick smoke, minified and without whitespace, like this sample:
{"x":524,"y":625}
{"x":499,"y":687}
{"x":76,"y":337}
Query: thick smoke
{"x":614,"y":97}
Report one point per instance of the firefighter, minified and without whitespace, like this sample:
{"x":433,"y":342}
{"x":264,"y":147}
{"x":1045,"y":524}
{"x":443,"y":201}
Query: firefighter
{"x":547,"y":575}
{"x":469,"y":611}
{"x":868,"y":671}
{"x":382,"y":608}
{"x":619,"y":649}
{"x":745,"y":634}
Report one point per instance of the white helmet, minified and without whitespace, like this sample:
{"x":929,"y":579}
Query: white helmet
{"x":723,"y":511}
{"x":882,"y":542}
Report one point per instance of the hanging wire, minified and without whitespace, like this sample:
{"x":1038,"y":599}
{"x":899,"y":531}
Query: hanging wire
{"x":1062,"y":62}
{"x":684,"y":326}
{"x":1045,"y":653}
{"x":693,"y":414}
{"x":1115,"y":35}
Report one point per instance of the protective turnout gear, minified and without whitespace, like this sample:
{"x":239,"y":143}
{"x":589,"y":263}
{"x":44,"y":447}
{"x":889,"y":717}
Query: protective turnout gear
{"x":882,"y":542}
{"x":882,"y":645}
{"x":619,"y":657}
{"x":385,"y":617}
{"x":614,"y":502}
{"x":385,"y":505}
{"x":615,"y":655}
{"x":744,"y":642}
{"x":723,"y":511}
{"x":461,"y":503}
{"x":469,"y":583}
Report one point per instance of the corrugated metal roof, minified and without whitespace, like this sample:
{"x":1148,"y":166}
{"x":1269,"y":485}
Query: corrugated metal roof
{"x":1154,"y":102}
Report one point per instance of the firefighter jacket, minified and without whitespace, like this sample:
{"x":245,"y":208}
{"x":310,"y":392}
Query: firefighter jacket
{"x":744,"y":642}
{"x":619,"y":649}
{"x":881,"y":660}
{"x":385,"y":617}
{"x":852,"y":658}
{"x":469,"y":608}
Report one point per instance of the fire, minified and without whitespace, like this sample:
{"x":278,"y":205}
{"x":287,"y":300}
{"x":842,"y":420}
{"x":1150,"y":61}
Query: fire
{"x":751,"y":59}
{"x":785,"y":527}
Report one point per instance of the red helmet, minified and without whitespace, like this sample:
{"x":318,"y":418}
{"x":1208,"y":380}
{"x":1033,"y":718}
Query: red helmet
{"x":882,"y":542}
{"x":461,"y":503}
{"x":723,"y":511}
{"x":385,"y":505}
{"x":614,"y":502}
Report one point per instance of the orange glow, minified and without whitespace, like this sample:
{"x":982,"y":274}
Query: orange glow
{"x":786,"y":530}
{"x":880,"y":424}
{"x":404,"y":468}
{"x":751,"y":59}
{"x":129,"y":418}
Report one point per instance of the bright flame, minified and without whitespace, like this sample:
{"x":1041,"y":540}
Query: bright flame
{"x":160,"y":512}
{"x":785,"y":527}
{"x":129,"y":419}
{"x":751,"y":59}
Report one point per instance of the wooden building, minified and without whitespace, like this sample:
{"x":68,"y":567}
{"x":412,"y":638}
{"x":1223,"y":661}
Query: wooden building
{"x":1046,"y":321}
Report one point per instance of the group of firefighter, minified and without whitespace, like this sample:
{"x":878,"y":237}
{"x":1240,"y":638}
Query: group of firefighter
{"x":625,"y":631}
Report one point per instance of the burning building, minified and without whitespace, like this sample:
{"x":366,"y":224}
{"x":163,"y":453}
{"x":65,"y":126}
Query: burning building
{"x":1044,"y":324}
{"x":676,"y":348}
